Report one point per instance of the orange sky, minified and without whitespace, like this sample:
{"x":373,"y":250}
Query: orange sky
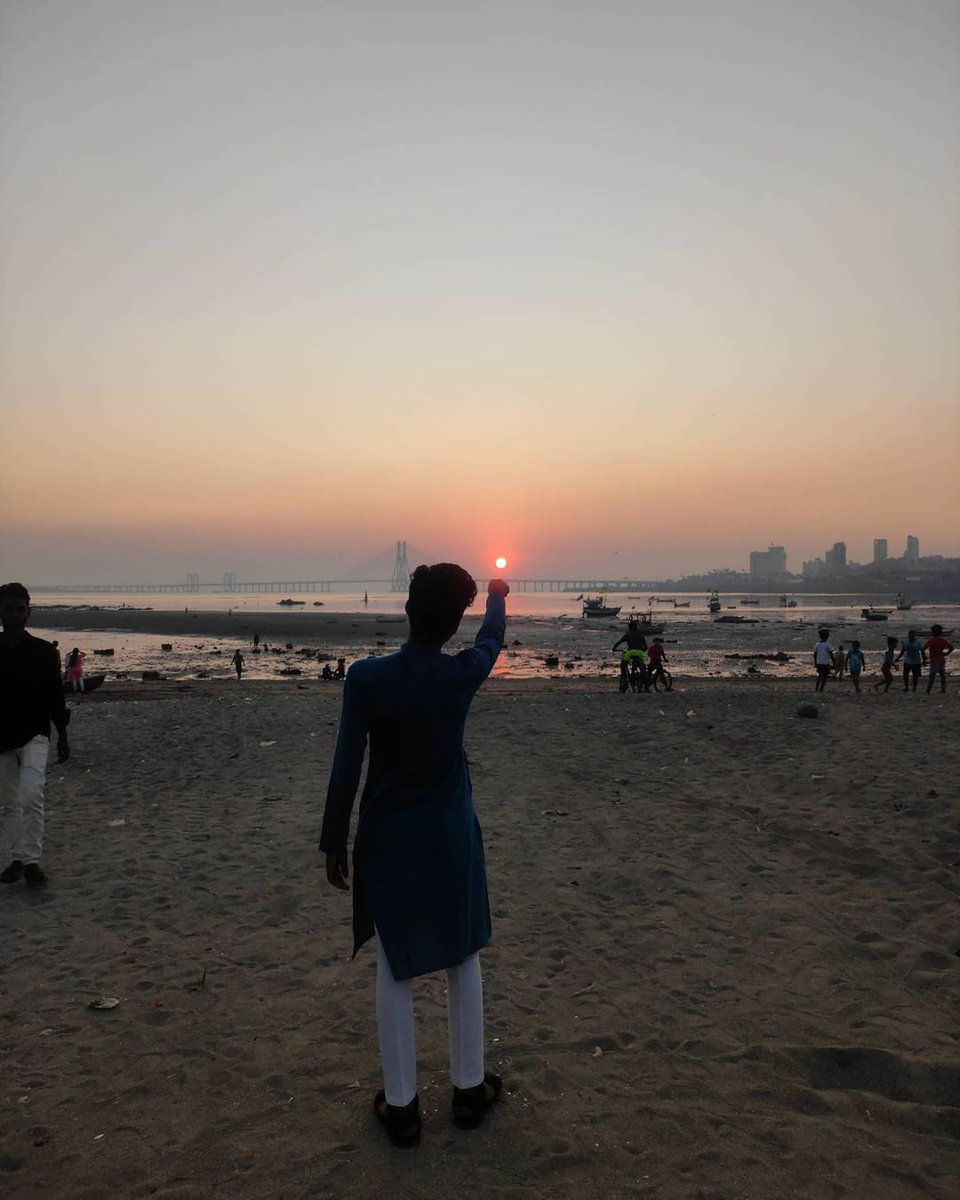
{"x":362,"y":278}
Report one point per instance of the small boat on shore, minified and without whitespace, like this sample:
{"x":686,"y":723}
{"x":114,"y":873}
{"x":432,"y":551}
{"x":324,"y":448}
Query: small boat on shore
{"x":681,"y":604}
{"x":875,"y":614}
{"x":596,"y":606}
{"x":903,"y":604}
{"x":292,"y":603}
{"x":786,"y":602}
{"x":89,"y":683}
{"x":745,"y":602}
{"x":731,"y":619}
{"x":713,"y":604}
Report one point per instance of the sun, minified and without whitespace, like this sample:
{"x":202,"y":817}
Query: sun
{"x":500,"y":563}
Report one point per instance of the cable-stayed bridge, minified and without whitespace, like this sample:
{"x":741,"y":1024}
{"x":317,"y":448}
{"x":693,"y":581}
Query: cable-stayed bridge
{"x":371,"y":573}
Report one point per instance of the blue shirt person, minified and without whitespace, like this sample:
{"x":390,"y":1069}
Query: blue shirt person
{"x":419,"y":875}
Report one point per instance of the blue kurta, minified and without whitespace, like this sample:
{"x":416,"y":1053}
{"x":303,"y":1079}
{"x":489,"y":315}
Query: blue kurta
{"x":418,"y":865}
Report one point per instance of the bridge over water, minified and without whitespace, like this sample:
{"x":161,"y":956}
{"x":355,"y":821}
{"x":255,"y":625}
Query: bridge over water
{"x":232,"y":586}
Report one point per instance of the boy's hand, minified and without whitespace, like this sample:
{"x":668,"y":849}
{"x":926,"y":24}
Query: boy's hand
{"x":63,"y":747}
{"x":337,"y":871}
{"x":497,"y":587}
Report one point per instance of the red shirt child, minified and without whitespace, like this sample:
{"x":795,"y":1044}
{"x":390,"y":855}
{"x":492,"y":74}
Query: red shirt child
{"x":937,"y":649}
{"x":656,"y":654}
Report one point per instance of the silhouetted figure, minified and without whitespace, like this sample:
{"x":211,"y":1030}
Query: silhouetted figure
{"x":823,"y":659}
{"x":419,"y":877}
{"x":237,"y":662}
{"x":936,"y":649}
{"x":856,"y":661}
{"x":256,"y":639}
{"x":886,"y":666}
{"x":31,"y":699}
{"x":341,"y":670}
{"x":911,"y":651}
{"x":74,"y":672}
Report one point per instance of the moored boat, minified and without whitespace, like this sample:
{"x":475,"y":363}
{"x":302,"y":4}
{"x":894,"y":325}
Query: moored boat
{"x":89,"y":683}
{"x":596,"y":606}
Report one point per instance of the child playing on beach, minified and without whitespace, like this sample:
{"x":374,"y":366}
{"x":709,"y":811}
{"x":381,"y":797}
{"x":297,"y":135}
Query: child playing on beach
{"x":856,"y":661}
{"x":936,"y":649}
{"x":911,"y":651}
{"x":839,"y":661}
{"x":823,"y":659}
{"x":886,"y":666}
{"x":419,"y":880}
{"x":658,"y":657}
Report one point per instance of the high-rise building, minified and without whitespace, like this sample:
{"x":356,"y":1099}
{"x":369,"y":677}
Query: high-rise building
{"x":913,"y":549}
{"x":768,"y":563}
{"x":836,"y":557}
{"x":879,"y":550}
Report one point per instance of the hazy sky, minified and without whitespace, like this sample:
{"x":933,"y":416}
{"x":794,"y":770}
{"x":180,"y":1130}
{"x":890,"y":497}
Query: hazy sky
{"x":606,"y":285}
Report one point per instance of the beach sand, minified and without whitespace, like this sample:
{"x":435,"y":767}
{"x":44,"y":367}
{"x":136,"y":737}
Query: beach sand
{"x":724,"y":963}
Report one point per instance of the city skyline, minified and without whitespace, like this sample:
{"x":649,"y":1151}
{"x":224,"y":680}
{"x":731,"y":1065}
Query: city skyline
{"x":615,"y":286}
{"x":380,"y":566}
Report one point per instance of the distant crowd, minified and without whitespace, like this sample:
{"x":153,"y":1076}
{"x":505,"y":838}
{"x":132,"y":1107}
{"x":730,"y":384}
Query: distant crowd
{"x":931,"y":655}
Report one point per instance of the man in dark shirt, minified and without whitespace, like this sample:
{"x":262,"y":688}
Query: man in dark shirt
{"x":31,"y":697}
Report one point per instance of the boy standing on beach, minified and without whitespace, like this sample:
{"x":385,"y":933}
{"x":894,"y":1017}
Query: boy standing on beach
{"x":419,"y":882}
{"x":911,"y":651}
{"x":855,"y":664}
{"x":31,"y":697}
{"x":823,"y":659}
{"x":936,"y":649}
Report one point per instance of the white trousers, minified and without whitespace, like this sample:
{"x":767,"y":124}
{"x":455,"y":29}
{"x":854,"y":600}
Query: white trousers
{"x":23,"y":773}
{"x":398,"y":1050}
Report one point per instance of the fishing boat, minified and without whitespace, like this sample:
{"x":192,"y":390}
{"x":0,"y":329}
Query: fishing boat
{"x":292,"y":603}
{"x":596,"y":606}
{"x":745,"y":602}
{"x":786,"y":602}
{"x":645,"y":623}
{"x":875,"y":614}
{"x":903,"y":604}
{"x":89,"y":683}
{"x":731,"y":619}
{"x":681,"y":604}
{"x":714,"y":603}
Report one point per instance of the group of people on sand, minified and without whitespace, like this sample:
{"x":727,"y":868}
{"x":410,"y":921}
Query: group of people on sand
{"x":830,"y":662}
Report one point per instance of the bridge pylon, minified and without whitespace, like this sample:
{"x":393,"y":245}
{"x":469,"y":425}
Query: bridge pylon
{"x":401,"y":572}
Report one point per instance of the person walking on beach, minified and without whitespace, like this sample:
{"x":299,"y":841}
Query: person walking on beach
{"x":911,"y":651}
{"x":886,"y":666}
{"x":856,"y":661}
{"x":256,"y":639}
{"x":31,"y":698}
{"x":56,"y":650}
{"x":74,"y":673}
{"x":237,"y":663}
{"x":419,"y":880}
{"x":935,"y":650}
{"x":823,"y":659}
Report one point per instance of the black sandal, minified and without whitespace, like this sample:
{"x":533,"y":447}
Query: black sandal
{"x":401,"y":1123}
{"x":470,"y":1104}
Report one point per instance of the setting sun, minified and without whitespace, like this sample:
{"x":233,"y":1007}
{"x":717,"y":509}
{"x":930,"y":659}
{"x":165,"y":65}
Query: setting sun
{"x":500,"y":563}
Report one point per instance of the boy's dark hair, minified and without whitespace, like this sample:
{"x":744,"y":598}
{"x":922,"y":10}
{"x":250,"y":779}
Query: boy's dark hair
{"x":912,"y":635}
{"x":823,"y":634}
{"x":439,"y":596}
{"x":14,"y":591}
{"x":891,"y":641}
{"x":856,"y":645}
{"x":936,"y":630}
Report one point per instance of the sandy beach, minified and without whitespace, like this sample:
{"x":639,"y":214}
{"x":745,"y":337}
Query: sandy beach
{"x":724,"y":962}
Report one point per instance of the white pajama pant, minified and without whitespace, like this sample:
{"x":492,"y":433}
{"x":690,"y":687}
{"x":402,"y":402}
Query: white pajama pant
{"x":23,"y":774}
{"x":398,"y":1050}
